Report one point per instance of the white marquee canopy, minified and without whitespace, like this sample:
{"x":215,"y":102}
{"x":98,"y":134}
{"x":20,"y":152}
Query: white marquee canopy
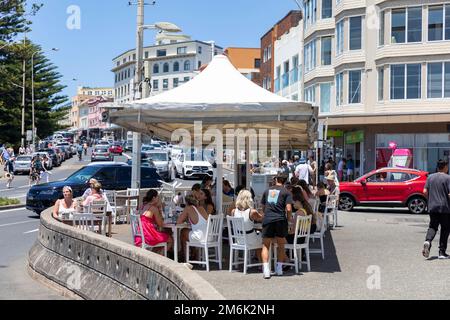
{"x":220,"y":97}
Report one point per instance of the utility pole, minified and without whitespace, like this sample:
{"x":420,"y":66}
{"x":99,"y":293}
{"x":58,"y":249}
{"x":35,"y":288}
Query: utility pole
{"x":22,"y":140}
{"x":137,"y":137}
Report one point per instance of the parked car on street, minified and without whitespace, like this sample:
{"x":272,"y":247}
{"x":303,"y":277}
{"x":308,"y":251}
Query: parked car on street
{"x":103,"y":143}
{"x":101,"y":152}
{"x":116,"y":148}
{"x":112,"y":176}
{"x":386,"y":187}
{"x":188,"y":165}
{"x":55,"y":159}
{"x":22,"y":164}
{"x":65,"y":147}
{"x":60,"y":154}
{"x":163,"y":163}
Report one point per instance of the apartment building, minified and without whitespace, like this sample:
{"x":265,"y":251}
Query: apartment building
{"x":173,"y":60}
{"x":380,"y":73}
{"x":247,"y":61}
{"x":282,"y":43}
{"x":84,"y":94}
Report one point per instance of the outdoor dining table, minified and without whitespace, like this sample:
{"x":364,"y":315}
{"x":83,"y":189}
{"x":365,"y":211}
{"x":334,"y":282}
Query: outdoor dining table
{"x":168,"y":224}
{"x":128,"y":199}
{"x":97,"y":222}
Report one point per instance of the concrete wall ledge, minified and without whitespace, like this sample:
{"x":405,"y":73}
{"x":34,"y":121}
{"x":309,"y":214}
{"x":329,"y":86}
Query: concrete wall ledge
{"x":92,"y":266}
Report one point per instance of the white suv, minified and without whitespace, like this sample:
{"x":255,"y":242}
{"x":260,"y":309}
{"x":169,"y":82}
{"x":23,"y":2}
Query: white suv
{"x":186,"y":166}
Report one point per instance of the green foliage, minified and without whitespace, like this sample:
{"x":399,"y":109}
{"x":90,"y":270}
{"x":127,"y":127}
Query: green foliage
{"x":8,"y":201}
{"x":47,"y":88}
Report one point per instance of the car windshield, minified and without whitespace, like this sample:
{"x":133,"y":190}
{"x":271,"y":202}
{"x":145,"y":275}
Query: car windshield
{"x":23,"y":158}
{"x":82,"y":175}
{"x":195,"y":156}
{"x":101,"y":149}
{"x":158,"y":156}
{"x":147,"y":148}
{"x":156,"y":145}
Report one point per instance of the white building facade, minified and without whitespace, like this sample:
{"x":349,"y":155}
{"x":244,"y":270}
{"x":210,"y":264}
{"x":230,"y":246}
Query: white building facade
{"x":288,"y":57}
{"x":172,"y":61}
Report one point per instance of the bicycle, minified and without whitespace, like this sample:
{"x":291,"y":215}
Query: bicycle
{"x":35,"y":177}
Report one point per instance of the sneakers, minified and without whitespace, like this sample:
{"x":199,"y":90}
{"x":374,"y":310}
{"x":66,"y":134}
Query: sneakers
{"x":266,"y":270}
{"x":443,"y":255}
{"x":426,"y":249}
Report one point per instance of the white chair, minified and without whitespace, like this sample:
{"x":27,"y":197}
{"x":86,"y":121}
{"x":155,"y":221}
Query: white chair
{"x":213,"y":240}
{"x":302,"y":231}
{"x":84,"y":221}
{"x":227,"y":207}
{"x":320,"y":235}
{"x":98,"y":208}
{"x":331,"y":209}
{"x":117,"y":212}
{"x":238,"y":242}
{"x":137,"y":231}
{"x":132,"y":192}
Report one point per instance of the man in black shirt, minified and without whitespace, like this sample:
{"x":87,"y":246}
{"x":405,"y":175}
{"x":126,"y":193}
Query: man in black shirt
{"x":437,"y":189}
{"x":277,"y":206}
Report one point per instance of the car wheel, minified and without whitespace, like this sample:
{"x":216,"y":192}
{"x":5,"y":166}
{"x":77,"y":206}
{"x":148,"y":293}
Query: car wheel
{"x":346,"y":202}
{"x":417,"y":205}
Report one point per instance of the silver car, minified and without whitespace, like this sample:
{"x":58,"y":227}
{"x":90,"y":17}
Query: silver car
{"x":22,"y":164}
{"x":163,"y":163}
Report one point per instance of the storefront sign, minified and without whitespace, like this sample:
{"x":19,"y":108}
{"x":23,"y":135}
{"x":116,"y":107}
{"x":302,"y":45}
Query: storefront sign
{"x":354,"y":137}
{"x":335,"y":133}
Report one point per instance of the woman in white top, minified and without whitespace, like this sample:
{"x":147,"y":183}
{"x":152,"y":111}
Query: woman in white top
{"x":244,"y":209}
{"x":198,"y":218}
{"x":66,"y":206}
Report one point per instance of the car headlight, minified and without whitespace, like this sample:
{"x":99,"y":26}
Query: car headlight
{"x":188,"y":167}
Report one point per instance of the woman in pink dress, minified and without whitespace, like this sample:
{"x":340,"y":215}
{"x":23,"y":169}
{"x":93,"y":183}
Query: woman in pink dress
{"x":151,"y":218}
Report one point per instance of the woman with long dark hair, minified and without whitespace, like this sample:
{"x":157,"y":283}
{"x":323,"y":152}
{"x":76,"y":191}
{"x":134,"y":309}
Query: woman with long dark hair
{"x":302,"y":208}
{"x":206,"y":201}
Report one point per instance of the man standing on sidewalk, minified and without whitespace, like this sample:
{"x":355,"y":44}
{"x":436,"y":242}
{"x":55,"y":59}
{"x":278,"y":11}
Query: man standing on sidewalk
{"x":277,"y":206}
{"x":437,"y":189}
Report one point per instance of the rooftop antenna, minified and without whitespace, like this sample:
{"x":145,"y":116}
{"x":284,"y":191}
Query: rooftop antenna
{"x":299,"y":5}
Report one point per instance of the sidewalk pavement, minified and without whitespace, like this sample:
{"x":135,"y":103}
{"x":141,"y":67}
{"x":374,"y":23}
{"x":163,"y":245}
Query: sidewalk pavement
{"x":370,"y":255}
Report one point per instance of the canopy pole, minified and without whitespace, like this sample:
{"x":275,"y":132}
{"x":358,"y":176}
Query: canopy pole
{"x":247,"y":163}
{"x":219,"y":184}
{"x":235,"y":163}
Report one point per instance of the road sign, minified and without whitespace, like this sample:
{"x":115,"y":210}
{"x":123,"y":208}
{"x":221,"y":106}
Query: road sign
{"x":29,"y":135}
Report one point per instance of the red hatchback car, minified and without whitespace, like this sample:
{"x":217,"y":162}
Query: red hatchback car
{"x":386,"y":187}
{"x":116,"y":148}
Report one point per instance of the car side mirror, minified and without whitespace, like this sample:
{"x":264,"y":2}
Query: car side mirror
{"x":363,"y":182}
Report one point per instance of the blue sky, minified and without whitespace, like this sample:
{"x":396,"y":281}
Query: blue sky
{"x":108,"y":29}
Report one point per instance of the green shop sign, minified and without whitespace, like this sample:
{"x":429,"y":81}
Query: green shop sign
{"x":335,"y":133}
{"x":354,"y":137}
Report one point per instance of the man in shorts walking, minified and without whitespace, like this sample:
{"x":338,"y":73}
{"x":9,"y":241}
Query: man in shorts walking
{"x":437,"y":189}
{"x":277,"y":206}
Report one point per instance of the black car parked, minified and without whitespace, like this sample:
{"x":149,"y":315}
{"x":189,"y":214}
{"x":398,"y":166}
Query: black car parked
{"x":53,"y":155}
{"x":111,"y":176}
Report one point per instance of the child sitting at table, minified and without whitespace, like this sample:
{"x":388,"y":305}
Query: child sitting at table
{"x":151,"y":218}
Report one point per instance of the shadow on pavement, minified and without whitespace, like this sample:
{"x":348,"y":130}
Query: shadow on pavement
{"x":386,"y":210}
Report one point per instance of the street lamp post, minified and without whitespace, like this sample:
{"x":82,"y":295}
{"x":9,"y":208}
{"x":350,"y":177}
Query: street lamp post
{"x":165,"y":26}
{"x":32,"y":97}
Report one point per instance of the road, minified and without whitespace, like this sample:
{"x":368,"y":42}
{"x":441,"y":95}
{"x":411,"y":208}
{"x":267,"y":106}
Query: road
{"x":18,"y":232}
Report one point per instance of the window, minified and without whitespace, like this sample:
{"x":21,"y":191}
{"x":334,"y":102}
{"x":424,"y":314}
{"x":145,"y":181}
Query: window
{"x":200,"y":50}
{"x":326,"y":51}
{"x":269,"y":52}
{"x":447,"y":22}
{"x":326,"y":9}
{"x":325,"y":97}
{"x":186,"y":79}
{"x":355,"y":33}
{"x":187,"y":65}
{"x":285,"y":77}
{"x":340,"y":89}
{"x":310,"y":94}
{"x":435,"y":23}
{"x":438,"y":82}
{"x":339,"y":37}
{"x":405,"y":81}
{"x":380,"y":84}
{"x":294,"y":97}
{"x":181,"y":50}
{"x":415,"y":24}
{"x":165,"y":84}
{"x":156,"y":68}
{"x":166,"y":67}
{"x":156,"y":84}
{"x":161,"y":53}
{"x":265,"y":55}
{"x":175,"y":82}
{"x":354,"y":86}
{"x":257,"y":63}
{"x":199,"y":64}
{"x":176,"y":66}
{"x":381,"y":30}
{"x":146,"y":54}
{"x":310,"y":56}
{"x":134,"y":56}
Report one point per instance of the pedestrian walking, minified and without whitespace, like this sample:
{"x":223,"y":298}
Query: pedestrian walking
{"x":340,"y":169}
{"x":350,"y":168}
{"x":303,"y":170}
{"x":437,"y":190}
{"x":45,"y":173}
{"x":9,"y":168}
{"x":277,"y":207}
{"x":85,"y":147}
{"x":21,"y":150}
